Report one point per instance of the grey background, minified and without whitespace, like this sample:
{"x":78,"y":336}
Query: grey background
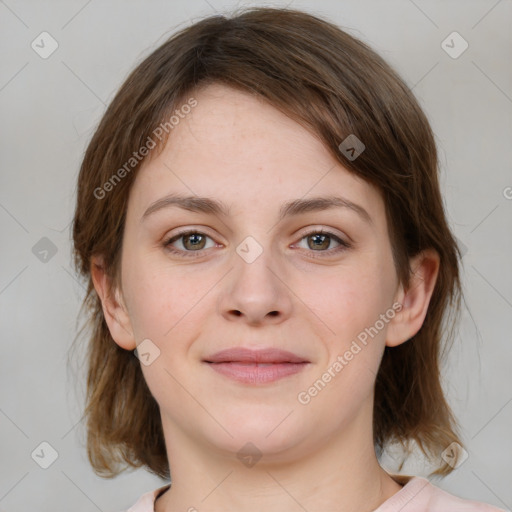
{"x":49,"y":110}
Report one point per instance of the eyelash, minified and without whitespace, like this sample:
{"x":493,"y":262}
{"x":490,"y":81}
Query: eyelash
{"x":194,"y":254}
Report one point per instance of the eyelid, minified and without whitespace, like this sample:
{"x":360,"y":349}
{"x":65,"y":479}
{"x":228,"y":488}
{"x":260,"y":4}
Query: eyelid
{"x":311,"y":230}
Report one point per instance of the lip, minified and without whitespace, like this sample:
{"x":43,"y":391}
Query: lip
{"x":263,"y":356}
{"x":256,"y":366}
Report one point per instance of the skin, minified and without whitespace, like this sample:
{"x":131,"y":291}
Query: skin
{"x":295,"y":296}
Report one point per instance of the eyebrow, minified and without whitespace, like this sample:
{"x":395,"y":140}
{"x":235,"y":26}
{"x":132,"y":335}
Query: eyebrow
{"x":296,"y":207}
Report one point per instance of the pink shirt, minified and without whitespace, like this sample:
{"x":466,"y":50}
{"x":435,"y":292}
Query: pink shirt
{"x":417,"y":495}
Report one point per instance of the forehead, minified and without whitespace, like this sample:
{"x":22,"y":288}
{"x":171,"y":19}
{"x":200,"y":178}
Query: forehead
{"x":245,"y":152}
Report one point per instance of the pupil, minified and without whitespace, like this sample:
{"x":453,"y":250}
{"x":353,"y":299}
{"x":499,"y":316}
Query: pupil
{"x":195,"y":238}
{"x":321,"y":239}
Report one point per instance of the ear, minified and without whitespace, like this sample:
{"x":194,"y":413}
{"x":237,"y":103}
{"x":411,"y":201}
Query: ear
{"x":114,"y":310}
{"x":415,"y":300}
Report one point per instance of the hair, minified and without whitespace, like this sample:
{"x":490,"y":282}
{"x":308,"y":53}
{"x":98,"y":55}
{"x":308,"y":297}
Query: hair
{"x":334,"y":85}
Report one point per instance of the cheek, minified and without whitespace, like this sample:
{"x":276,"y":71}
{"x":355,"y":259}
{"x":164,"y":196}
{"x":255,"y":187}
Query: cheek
{"x":155,"y":301}
{"x":351,"y":305}
{"x":351,"y":300}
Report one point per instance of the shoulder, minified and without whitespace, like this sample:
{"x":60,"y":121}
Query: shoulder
{"x":146,"y":503}
{"x":440,"y":499}
{"x":419,"y":495}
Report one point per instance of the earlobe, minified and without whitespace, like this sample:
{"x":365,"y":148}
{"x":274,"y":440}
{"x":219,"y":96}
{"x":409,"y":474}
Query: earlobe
{"x":416,"y":299}
{"x":114,"y":310}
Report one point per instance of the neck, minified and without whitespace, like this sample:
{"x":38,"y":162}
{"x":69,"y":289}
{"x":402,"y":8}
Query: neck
{"x":341,"y":474}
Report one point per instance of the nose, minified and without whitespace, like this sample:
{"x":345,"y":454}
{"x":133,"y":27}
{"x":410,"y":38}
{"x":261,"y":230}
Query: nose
{"x":255,"y":292}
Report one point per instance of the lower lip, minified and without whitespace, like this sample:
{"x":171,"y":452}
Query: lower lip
{"x":257,"y":374}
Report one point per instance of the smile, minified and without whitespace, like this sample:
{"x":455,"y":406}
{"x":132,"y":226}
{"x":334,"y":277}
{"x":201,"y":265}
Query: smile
{"x":256,"y":366}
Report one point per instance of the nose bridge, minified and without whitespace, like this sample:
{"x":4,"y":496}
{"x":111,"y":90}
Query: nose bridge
{"x":255,"y":291}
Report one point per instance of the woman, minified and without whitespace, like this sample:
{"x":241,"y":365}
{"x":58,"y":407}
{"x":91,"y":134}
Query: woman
{"x":259,"y":218}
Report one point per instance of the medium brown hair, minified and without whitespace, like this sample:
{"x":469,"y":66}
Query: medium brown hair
{"x":334,"y":85}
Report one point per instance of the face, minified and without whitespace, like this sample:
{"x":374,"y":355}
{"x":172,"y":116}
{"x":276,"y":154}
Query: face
{"x":268,"y":269}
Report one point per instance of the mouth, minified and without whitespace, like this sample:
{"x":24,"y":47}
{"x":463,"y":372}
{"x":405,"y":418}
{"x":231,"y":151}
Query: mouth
{"x":256,"y":366}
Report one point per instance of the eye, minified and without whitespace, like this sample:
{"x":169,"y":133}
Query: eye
{"x":192,"y":242}
{"x":320,"y":240}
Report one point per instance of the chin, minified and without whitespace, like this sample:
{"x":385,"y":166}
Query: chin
{"x":270,"y":431}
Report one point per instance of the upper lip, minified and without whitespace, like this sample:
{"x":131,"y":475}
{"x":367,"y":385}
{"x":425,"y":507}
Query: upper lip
{"x":245,"y":355}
